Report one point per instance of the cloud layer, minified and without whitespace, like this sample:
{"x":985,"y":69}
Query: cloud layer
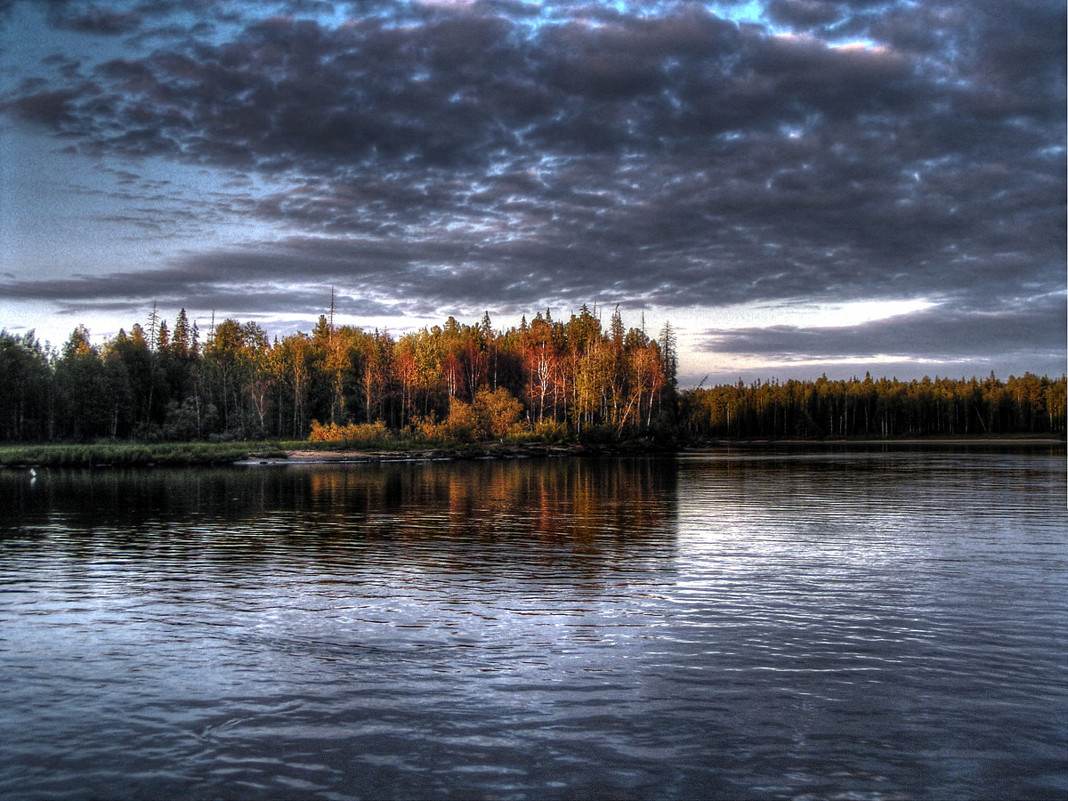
{"x":507,"y":155}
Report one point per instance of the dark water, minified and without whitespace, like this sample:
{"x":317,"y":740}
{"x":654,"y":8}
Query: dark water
{"x":855,"y":626}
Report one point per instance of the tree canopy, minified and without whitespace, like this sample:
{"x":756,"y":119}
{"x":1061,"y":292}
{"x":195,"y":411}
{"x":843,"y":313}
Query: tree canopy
{"x":558,"y":378}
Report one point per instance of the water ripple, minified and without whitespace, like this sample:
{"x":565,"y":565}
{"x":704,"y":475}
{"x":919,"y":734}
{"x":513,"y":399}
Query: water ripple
{"x":883,"y":626}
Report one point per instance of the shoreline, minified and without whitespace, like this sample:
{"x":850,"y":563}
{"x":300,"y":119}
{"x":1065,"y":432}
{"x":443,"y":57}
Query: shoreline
{"x":490,"y":451}
{"x":868,"y":442}
{"x":111,"y":455}
{"x":529,"y":451}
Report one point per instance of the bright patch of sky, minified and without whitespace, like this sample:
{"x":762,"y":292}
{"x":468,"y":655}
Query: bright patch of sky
{"x":839,"y":367}
{"x":54,"y":202}
{"x":693,"y":322}
{"x":821,"y":315}
{"x":751,"y":13}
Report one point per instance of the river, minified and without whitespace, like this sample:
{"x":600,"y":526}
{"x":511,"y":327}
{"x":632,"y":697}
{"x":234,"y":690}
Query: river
{"x":868,"y":624}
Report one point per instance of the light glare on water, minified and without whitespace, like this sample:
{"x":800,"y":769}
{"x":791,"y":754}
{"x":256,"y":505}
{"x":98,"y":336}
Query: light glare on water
{"x":855,"y":625}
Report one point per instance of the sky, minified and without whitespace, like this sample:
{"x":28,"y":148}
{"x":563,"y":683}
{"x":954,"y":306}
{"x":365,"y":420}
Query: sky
{"x":801,"y":187}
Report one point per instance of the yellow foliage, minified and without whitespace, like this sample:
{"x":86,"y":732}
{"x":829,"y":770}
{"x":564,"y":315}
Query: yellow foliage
{"x":550,"y":431}
{"x":492,"y":415}
{"x":498,"y":413}
{"x":363,"y":433}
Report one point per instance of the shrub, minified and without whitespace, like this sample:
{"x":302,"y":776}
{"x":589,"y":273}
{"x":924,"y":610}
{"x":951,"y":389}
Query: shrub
{"x":550,"y":431}
{"x":462,"y":422}
{"x":354,"y":433}
{"x":497,"y":412}
{"x":460,"y":426}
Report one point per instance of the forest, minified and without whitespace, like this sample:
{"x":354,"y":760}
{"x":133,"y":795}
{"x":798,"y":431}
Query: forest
{"x":572,"y":380}
{"x":876,"y":409}
{"x":453,"y":382}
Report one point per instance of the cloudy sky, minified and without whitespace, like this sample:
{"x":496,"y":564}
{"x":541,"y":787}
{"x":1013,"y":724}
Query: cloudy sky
{"x":800,"y":186}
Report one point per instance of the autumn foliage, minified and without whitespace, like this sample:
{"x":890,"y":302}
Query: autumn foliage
{"x":368,"y":434}
{"x":341,"y":383}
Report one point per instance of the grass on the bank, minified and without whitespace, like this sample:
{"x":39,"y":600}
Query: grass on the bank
{"x":374,"y":438}
{"x":135,"y":454}
{"x":121,"y":454}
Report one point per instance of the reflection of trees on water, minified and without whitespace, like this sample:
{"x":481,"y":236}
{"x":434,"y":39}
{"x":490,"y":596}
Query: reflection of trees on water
{"x":603,"y":513}
{"x":588,"y":512}
{"x":580,"y":499}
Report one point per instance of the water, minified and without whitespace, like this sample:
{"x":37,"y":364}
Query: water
{"x":835,"y":625}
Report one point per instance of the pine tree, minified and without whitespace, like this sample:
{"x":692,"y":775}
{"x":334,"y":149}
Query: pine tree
{"x":669,"y":354}
{"x":181,"y":340}
{"x":616,"y":328}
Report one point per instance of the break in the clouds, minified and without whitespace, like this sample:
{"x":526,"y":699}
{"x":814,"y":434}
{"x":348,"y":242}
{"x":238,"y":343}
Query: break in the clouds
{"x":959,"y":338}
{"x":442,"y":157}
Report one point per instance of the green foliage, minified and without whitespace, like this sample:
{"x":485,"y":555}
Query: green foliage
{"x":118,"y":454}
{"x":25,"y":387}
{"x":665,"y":432}
{"x":551,"y":431}
{"x":885,"y":408}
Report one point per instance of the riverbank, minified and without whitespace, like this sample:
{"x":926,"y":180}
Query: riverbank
{"x":102,"y":455}
{"x":906,"y":442}
{"x":486,"y":450}
{"x":127,"y":454}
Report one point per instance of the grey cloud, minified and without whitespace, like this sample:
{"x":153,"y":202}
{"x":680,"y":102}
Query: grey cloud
{"x":804,"y":13}
{"x":468,"y":156}
{"x":424,"y":275}
{"x":463,"y":86}
{"x":104,"y":22}
{"x":52,"y":108}
{"x":257,"y":284}
{"x":476,"y":271}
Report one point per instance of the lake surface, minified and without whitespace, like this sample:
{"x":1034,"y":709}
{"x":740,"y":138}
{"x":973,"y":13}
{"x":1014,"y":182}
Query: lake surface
{"x":856,"y":625}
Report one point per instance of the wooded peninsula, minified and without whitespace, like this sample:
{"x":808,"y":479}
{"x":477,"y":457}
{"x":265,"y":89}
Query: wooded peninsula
{"x":545,"y":381}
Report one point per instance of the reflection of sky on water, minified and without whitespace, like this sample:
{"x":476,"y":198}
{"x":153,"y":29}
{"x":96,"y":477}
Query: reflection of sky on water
{"x":836,"y":501}
{"x":894,"y":543}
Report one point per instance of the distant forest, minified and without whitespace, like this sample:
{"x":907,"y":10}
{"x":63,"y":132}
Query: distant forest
{"x":558,"y":380}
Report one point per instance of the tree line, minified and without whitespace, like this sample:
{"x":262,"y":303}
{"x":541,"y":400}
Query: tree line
{"x":882,"y":408}
{"x":454,"y":381}
{"x":570,"y":379}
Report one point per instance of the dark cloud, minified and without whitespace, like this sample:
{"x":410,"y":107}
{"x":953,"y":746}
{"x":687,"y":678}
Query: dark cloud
{"x":257,"y":284}
{"x":463,"y":87}
{"x":51,"y":108}
{"x":104,"y":22}
{"x":498,"y":154}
